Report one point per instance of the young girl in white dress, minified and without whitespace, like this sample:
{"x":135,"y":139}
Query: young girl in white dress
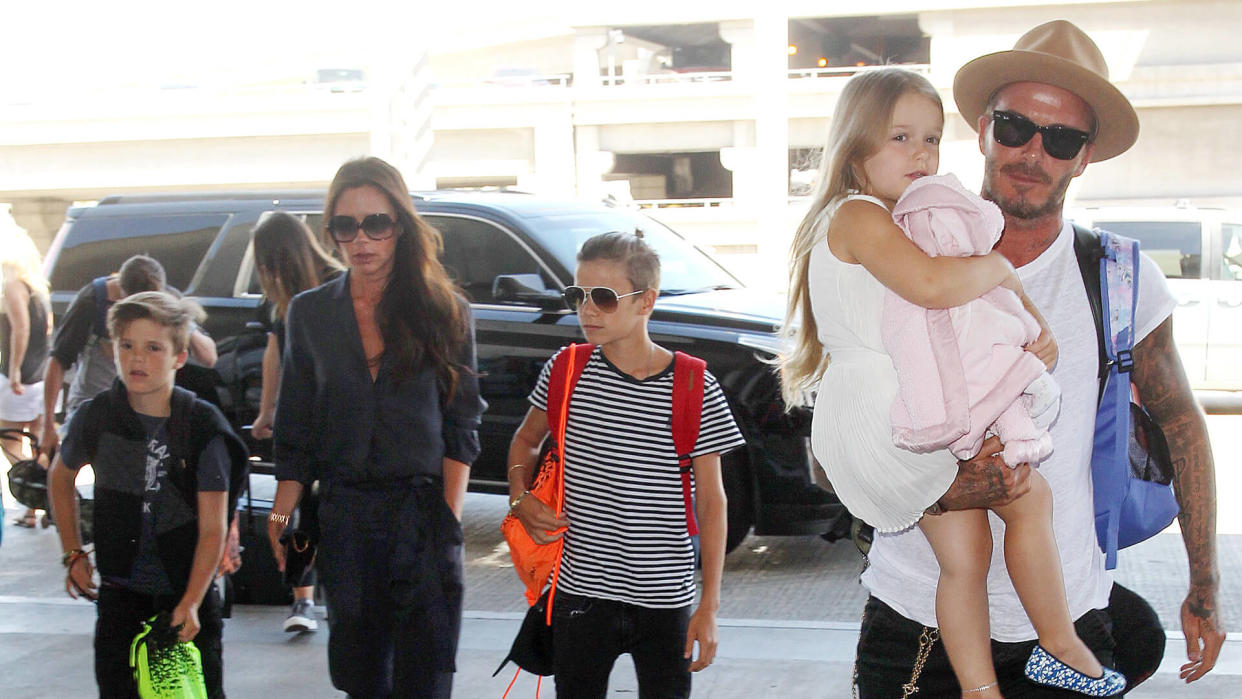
{"x":885,"y":133}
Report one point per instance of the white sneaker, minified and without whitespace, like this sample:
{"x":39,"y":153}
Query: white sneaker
{"x":301,"y":617}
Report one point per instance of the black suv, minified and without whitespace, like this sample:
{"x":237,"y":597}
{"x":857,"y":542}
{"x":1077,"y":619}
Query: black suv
{"x":512,"y":254}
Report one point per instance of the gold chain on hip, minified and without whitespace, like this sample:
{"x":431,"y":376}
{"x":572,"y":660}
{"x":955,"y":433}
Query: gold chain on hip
{"x":927,"y":639}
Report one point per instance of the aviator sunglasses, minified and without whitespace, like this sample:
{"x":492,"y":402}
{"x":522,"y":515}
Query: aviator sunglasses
{"x":1012,"y":130}
{"x":605,"y":299}
{"x":345,"y":228}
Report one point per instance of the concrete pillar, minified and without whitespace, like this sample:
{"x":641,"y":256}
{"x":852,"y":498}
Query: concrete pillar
{"x":553,"y":173}
{"x":401,"y":124}
{"x":41,"y":217}
{"x":760,"y":61}
{"x":591,"y":163}
{"x":587,"y":43}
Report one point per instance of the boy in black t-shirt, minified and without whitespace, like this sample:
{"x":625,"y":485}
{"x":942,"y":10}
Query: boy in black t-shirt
{"x":167,"y":467}
{"x":626,"y":582}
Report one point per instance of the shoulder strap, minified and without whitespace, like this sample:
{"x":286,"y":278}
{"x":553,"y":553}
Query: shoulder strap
{"x":688,"y":384}
{"x":99,"y":287}
{"x":566,"y":370}
{"x":1089,"y":251}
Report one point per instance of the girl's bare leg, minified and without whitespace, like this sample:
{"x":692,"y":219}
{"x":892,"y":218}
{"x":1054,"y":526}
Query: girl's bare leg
{"x":1035,"y":569}
{"x":962,"y":542}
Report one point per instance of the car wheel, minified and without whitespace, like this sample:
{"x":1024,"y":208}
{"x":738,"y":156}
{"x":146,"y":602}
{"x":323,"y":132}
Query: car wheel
{"x":738,"y":489}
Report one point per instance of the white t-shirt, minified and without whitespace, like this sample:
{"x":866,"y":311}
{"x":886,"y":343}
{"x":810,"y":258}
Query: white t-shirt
{"x":903,"y":570}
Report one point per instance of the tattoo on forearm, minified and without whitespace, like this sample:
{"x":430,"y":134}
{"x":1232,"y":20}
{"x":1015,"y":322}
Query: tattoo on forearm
{"x":1166,"y":394}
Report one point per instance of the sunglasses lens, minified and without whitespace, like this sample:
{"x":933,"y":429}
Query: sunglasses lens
{"x":605,"y":299}
{"x":1062,"y":143}
{"x":1011,"y":130}
{"x":574,"y":296}
{"x":343,"y":228}
{"x":377,"y":226}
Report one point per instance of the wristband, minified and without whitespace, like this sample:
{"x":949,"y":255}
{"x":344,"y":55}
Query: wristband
{"x":282,"y":520}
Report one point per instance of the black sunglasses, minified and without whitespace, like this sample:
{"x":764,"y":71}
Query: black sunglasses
{"x":345,"y":228}
{"x":605,"y":299}
{"x":1012,"y":130}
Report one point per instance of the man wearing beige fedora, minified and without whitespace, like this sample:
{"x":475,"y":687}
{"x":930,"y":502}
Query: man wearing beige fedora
{"x":1043,"y":111}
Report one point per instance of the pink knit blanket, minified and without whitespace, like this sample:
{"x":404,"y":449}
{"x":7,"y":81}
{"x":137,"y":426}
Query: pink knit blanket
{"x":958,"y":369}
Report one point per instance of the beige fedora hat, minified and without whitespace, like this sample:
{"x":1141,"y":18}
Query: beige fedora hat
{"x":1056,"y":53}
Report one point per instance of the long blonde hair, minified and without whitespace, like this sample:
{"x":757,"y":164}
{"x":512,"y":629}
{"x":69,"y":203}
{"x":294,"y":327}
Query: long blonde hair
{"x":859,"y":123}
{"x":20,"y":259}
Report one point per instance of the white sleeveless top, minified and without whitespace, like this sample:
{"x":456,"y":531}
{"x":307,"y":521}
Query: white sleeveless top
{"x":851,"y":433}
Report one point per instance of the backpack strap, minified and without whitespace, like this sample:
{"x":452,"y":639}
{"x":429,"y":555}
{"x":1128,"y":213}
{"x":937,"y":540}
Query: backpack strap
{"x":99,"y":287}
{"x":1109,"y":264}
{"x":1090,"y":251}
{"x":566,"y":370}
{"x":688,"y":383}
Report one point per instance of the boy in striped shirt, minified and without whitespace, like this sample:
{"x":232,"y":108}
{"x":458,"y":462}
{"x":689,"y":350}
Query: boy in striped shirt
{"x":626,"y":583}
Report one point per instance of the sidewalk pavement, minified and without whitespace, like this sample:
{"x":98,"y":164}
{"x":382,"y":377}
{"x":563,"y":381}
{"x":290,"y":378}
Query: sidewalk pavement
{"x":47,"y":654}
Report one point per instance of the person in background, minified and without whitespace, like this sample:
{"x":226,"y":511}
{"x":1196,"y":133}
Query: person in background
{"x":82,"y":339}
{"x":380,"y":403}
{"x":25,"y":326}
{"x":289,"y":260}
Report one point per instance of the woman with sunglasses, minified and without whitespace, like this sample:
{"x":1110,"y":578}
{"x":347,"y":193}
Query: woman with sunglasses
{"x":379,"y":402}
{"x":904,"y":390}
{"x":288,"y":260}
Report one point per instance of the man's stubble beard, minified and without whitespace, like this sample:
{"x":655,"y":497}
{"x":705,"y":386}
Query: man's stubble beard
{"x":1018,"y":206}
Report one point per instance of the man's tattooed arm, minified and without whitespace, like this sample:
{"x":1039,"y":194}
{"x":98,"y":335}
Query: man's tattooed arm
{"x":1165,"y":392}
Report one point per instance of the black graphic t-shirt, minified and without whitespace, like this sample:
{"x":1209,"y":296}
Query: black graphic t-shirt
{"x":163,"y":507}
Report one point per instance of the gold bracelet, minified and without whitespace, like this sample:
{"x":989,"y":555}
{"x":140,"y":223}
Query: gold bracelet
{"x":282,"y":520}
{"x":517,"y":501}
{"x":68,"y":558}
{"x":516,"y":466}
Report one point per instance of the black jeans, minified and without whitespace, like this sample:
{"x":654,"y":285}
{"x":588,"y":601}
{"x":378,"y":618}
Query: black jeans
{"x":390,"y":563}
{"x":121,"y":613}
{"x":589,"y":634}
{"x":1126,"y":636}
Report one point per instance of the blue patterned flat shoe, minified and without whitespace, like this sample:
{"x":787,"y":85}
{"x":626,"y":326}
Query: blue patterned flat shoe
{"x":1043,"y":668}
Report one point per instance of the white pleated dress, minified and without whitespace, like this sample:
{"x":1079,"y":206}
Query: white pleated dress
{"x":851,"y":433}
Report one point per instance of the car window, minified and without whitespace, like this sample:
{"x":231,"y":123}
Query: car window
{"x":1176,"y":246}
{"x":683,"y":267}
{"x":1231,"y":251}
{"x":97,"y":246}
{"x":476,"y":252}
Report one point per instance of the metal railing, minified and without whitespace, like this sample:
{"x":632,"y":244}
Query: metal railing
{"x":847,"y":71}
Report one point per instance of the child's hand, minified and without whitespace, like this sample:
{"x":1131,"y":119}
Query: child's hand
{"x":702,"y":628}
{"x":231,"y":561}
{"x":1045,"y":346}
{"x":539,"y":521}
{"x":185,"y":616}
{"x":262,"y":427}
{"x":80,"y":579}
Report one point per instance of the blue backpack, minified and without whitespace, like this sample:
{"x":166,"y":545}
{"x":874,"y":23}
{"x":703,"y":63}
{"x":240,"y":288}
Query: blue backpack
{"x":1131,"y":469}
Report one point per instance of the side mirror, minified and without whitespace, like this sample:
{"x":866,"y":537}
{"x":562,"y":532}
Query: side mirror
{"x":526,"y":289}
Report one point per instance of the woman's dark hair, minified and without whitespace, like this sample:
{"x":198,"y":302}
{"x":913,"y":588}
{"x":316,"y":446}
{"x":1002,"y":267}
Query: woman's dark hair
{"x":289,"y":260}
{"x":421,"y":316}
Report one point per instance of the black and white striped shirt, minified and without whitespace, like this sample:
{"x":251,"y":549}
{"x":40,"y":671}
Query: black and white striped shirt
{"x":627,"y":538}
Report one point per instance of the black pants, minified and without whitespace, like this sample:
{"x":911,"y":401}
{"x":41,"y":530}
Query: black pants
{"x":382,"y":626}
{"x":121,"y":613}
{"x":1126,"y":636}
{"x":589,"y":634}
